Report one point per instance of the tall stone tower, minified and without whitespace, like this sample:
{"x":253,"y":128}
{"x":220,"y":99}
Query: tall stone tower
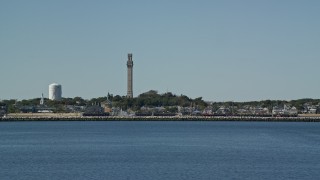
{"x":130,"y":66}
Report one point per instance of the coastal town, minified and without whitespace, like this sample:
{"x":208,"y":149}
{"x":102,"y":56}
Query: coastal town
{"x":151,"y":104}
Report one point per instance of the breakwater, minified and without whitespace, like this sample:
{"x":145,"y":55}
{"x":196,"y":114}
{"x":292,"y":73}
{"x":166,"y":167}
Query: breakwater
{"x":166,"y":118}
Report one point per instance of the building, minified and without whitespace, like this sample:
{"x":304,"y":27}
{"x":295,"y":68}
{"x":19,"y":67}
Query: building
{"x":55,"y":92}
{"x":107,"y":106}
{"x":94,"y":110}
{"x":284,"y":111}
{"x":3,"y":109}
{"x":129,"y":82}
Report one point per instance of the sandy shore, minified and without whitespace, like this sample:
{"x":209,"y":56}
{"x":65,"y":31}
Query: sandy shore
{"x":43,"y":115}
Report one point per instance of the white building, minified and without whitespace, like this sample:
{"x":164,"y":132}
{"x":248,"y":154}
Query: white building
{"x":55,"y":92}
{"x":285,"y":111}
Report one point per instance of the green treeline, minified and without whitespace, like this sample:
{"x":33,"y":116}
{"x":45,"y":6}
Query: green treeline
{"x":151,"y":99}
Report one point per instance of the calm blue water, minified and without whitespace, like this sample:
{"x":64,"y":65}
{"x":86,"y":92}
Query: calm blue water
{"x":159,"y":150}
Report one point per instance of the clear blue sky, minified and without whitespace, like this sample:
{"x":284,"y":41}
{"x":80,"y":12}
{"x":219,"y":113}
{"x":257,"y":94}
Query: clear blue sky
{"x":220,"y":50}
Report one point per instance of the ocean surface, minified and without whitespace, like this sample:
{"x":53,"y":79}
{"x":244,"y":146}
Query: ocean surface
{"x":159,"y":150}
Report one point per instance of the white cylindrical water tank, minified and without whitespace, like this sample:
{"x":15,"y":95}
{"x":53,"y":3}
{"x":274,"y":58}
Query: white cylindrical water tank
{"x":55,"y":91}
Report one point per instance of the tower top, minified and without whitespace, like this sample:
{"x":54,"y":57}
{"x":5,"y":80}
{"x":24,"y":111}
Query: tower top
{"x":130,"y":62}
{"x":129,"y":56}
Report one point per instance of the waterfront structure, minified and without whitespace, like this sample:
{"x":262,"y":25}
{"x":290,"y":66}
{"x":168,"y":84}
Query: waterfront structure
{"x":55,"y":92}
{"x":129,"y":81}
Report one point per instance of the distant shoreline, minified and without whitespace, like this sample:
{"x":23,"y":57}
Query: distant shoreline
{"x":162,"y":118}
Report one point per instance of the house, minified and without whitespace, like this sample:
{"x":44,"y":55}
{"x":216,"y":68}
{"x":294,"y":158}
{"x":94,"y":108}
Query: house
{"x":223,"y":111}
{"x":286,"y":110}
{"x":107,"y":106}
